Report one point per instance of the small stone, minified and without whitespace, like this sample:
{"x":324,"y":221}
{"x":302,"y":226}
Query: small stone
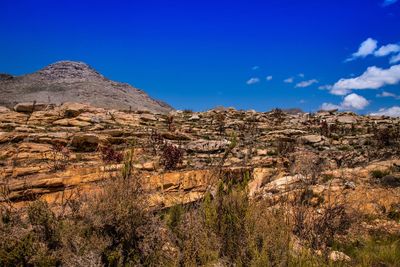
{"x":338,"y":256}
{"x":262,"y":152}
{"x":350,"y":185}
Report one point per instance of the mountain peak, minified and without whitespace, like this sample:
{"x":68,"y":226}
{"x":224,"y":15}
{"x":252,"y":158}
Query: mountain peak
{"x":69,"y":70}
{"x":71,"y":81}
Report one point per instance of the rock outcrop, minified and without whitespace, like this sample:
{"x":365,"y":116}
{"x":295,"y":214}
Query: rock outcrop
{"x":54,"y":152}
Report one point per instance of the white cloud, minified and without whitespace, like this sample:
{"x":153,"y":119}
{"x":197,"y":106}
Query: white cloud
{"x":268,"y":78}
{"x":339,"y":91}
{"x":391,"y":112}
{"x":394,"y":59}
{"x":288,"y":80}
{"x":387,"y":50}
{"x":366,"y":48}
{"x":370,"y":47}
{"x":388,"y":94}
{"x":301,"y":75}
{"x":325,"y":87}
{"x":389,"y":2}
{"x":329,"y":106}
{"x":372,"y":78}
{"x":253,"y":80}
{"x":350,"y":102}
{"x":354,"y":101}
{"x":255,"y":67}
{"x":306,"y":83}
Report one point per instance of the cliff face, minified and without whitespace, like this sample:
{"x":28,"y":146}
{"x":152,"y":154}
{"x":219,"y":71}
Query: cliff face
{"x":55,"y":152}
{"x":67,"y":81}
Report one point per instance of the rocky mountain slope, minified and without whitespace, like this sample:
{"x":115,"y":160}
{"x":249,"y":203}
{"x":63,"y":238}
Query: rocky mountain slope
{"x":67,"y":81}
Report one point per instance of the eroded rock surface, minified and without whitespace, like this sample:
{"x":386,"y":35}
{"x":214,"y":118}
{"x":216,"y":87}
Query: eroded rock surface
{"x":53,"y":152}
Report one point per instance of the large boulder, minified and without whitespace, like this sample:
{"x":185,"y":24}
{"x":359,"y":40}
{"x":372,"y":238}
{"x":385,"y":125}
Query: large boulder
{"x":70,"y":110}
{"x":30,"y":107}
{"x":311,"y":138}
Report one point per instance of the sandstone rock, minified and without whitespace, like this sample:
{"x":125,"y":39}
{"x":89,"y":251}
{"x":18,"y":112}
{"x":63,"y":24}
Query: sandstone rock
{"x":204,"y":146}
{"x":34,"y":147}
{"x":24,"y":159}
{"x":147,"y":117}
{"x":22,"y":171}
{"x":312,"y":138}
{"x":338,"y":256}
{"x":184,"y":180}
{"x":44,"y":117}
{"x":115,"y":132}
{"x":288,"y":132}
{"x":30,"y":107}
{"x":4,"y":109}
{"x":194,"y":117}
{"x":147,"y":166}
{"x":284,"y":183}
{"x":176,"y":136}
{"x":24,"y":129}
{"x":347,"y":119}
{"x":260,"y":177}
{"x":85,"y":142}
{"x":71,"y":122}
{"x":262,"y":152}
{"x":71,"y":110}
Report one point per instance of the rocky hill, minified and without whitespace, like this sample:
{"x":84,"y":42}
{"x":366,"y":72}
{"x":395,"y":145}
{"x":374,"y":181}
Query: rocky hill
{"x":67,"y":81}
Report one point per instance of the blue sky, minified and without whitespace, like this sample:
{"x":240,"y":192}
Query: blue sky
{"x":201,"y":54}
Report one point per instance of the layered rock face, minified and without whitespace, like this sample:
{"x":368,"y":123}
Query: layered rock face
{"x":66,"y":81}
{"x":59,"y":151}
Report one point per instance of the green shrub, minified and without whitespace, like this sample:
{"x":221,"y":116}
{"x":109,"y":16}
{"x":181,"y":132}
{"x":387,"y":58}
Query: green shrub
{"x":44,"y":223}
{"x":378,"y":174}
{"x":175,"y":214}
{"x":16,"y":251}
{"x":376,"y":250}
